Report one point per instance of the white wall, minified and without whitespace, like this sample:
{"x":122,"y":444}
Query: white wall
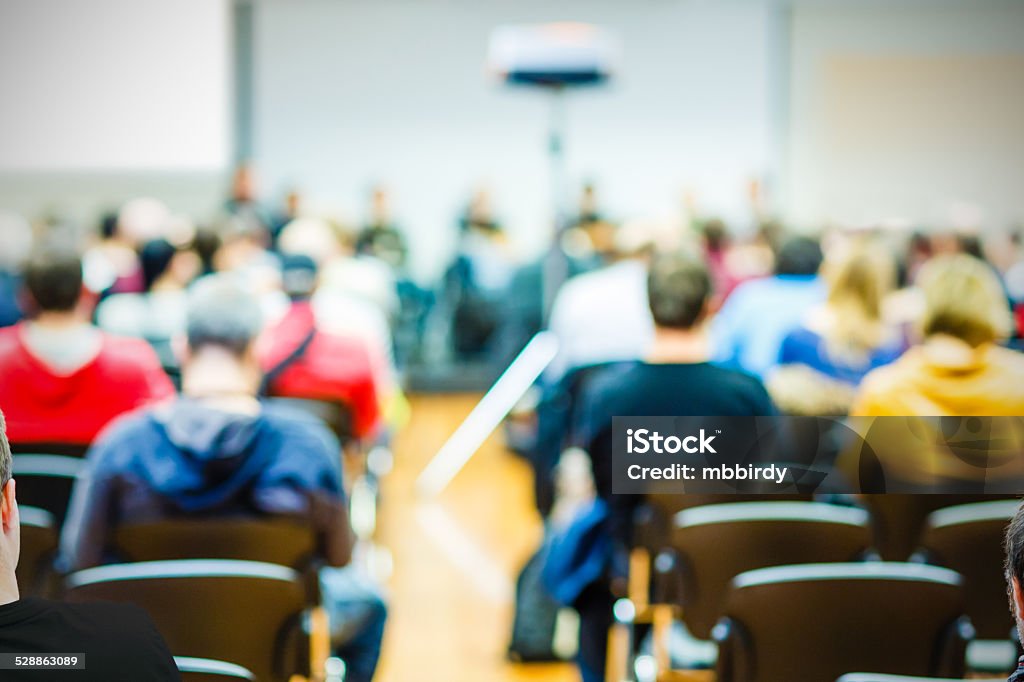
{"x":907,"y":110}
{"x":350,"y":93}
{"x":105,"y":99}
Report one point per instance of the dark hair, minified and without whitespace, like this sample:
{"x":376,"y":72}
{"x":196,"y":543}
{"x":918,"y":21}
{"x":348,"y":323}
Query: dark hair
{"x":678,"y":287}
{"x":5,"y":454}
{"x":108,"y":225}
{"x":155,"y":257}
{"x":716,"y":235}
{"x":1014,"y":546}
{"x":53,"y":277}
{"x":799,"y":256}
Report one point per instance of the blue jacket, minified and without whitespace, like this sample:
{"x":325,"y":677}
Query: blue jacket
{"x":185,"y":458}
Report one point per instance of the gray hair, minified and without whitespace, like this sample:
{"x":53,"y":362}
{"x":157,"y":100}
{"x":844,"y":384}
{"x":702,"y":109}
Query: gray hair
{"x":5,"y":455}
{"x":221,"y":312}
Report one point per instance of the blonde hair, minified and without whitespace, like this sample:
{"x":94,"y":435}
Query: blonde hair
{"x":964,"y":299}
{"x":858,"y":284}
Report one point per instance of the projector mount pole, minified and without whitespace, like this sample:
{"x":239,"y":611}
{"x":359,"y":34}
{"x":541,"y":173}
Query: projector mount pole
{"x":556,"y":267}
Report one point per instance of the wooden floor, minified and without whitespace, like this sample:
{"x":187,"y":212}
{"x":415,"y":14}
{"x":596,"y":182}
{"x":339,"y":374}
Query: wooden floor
{"x":455,"y":558}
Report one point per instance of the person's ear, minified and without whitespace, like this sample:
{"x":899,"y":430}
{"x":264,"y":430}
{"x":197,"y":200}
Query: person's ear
{"x":180,"y":349}
{"x":1018,"y":597}
{"x":8,"y":505}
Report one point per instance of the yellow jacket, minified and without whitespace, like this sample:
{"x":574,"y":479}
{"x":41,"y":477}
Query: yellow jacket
{"x":945,"y":377}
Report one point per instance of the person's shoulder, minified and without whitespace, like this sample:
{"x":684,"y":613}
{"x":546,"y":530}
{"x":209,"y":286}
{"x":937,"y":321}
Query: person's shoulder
{"x":10,"y":339}
{"x":1007,"y":360}
{"x":96,"y":619}
{"x":134,"y":427}
{"x":733,"y":378}
{"x":605,"y":378}
{"x":294,"y":425}
{"x":114,"y":635}
{"x":126,"y":351}
{"x":881,"y":389}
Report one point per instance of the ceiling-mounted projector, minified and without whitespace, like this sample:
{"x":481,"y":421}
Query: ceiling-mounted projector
{"x":553,"y":55}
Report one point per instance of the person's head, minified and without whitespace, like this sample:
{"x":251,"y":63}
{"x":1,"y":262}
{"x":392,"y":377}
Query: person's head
{"x":643,"y":238}
{"x":1014,"y":568}
{"x":678,"y":288}
{"x":53,"y":279}
{"x":380,"y":205}
{"x":143,"y":219}
{"x":859,"y":280}
{"x":10,"y":541}
{"x":243,"y":183}
{"x":298,"y":275}
{"x":318,"y":239}
{"x":223,"y":317}
{"x":963,"y":299}
{"x":716,"y":235}
{"x":108,"y":225}
{"x":163,"y":262}
{"x":799,"y":256}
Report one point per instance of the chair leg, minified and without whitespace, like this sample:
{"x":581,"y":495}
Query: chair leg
{"x":661,"y":619}
{"x":319,"y":644}
{"x":619,"y":653}
{"x":639,"y":578}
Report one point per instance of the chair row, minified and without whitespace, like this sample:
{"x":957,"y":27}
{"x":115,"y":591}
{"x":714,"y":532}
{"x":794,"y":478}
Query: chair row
{"x":708,"y":546}
{"x":203,"y":606}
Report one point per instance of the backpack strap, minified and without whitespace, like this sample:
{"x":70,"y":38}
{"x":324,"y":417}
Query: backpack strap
{"x":287,"y":361}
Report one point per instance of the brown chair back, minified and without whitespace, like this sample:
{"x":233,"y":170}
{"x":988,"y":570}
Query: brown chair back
{"x":46,"y":481}
{"x":898,"y":519}
{"x":285,"y":541}
{"x":241,"y":611}
{"x":969,"y":540}
{"x":714,"y":543}
{"x":816,"y":621}
{"x":39,"y":539}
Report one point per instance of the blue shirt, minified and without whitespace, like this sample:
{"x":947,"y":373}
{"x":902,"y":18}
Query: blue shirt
{"x":805,"y":347}
{"x":748,"y":331}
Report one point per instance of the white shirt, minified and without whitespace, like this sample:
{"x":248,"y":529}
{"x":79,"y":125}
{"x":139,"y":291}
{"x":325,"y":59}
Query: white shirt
{"x":602,"y":316}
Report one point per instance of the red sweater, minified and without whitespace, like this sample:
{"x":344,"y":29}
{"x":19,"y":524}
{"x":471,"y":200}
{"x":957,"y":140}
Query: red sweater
{"x":44,"y":407}
{"x":333,"y":368}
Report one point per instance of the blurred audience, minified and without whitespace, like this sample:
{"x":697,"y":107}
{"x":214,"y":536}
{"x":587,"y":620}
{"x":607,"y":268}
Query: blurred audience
{"x":840,"y":341}
{"x":478,"y":280}
{"x":380,"y":237}
{"x":158,"y":313}
{"x":244,"y":204}
{"x":63,"y":378}
{"x":301,"y":361}
{"x":959,"y":367}
{"x":352,"y":300}
{"x":16,"y":237}
{"x":749,"y":329}
{"x":603,"y":316}
{"x":217,"y":450}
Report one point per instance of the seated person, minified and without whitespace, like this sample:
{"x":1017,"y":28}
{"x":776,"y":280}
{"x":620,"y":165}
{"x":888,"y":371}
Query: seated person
{"x":749,"y":329}
{"x":158,"y":314}
{"x":675,"y":379}
{"x":959,"y":369}
{"x":218,"y":451}
{"x":118,"y":641}
{"x":602,"y":316}
{"x":64,"y":379}
{"x":302,"y":361}
{"x":840,"y":341}
{"x":1014,"y":572}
